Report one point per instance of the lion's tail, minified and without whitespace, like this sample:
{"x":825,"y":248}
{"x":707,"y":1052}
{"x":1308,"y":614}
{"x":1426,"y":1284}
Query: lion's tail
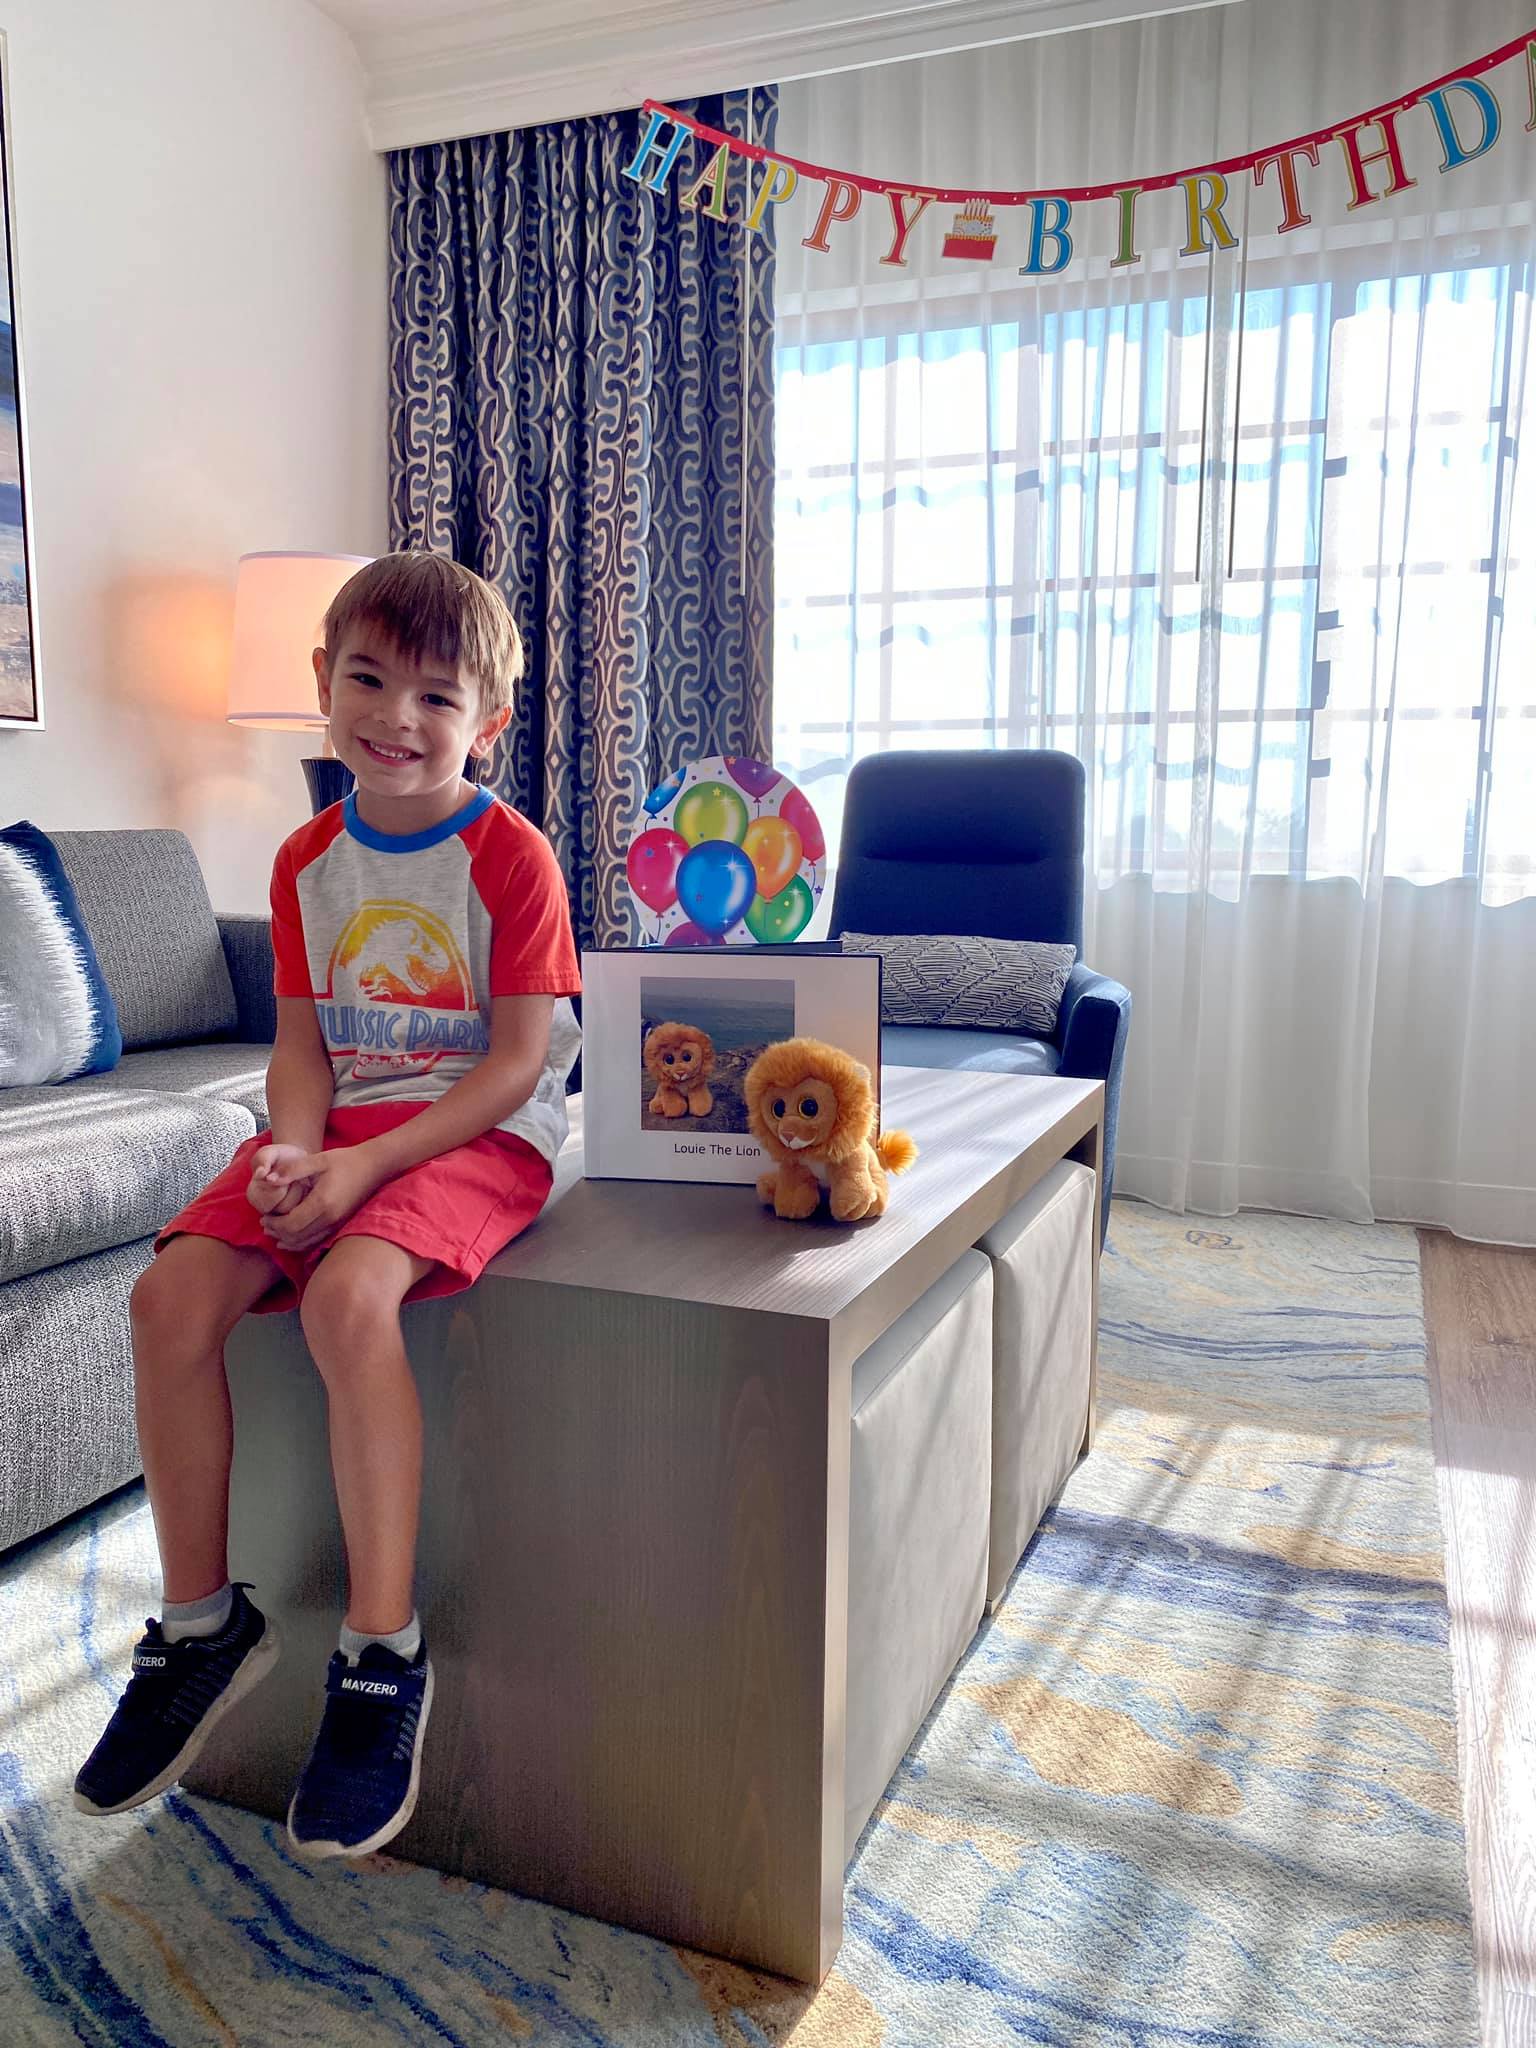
{"x":896,"y":1150}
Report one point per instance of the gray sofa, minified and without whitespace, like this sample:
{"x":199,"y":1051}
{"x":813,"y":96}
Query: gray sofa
{"x":90,"y":1169}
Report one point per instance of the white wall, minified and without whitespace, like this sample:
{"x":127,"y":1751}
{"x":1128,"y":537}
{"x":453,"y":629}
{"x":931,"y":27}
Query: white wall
{"x":201,"y":295}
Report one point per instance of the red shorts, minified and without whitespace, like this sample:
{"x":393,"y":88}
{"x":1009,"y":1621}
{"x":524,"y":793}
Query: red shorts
{"x":458,"y":1209}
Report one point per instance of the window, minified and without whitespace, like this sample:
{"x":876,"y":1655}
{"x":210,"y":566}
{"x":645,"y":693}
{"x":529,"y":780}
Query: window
{"x":1023,"y":531}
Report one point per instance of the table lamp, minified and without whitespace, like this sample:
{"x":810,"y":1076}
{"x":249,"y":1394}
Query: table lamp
{"x":281,"y":600}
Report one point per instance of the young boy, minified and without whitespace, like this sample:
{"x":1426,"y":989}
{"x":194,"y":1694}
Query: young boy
{"x":417,"y":1097}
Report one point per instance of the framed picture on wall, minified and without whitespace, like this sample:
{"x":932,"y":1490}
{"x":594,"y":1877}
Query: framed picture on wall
{"x":21,"y":694}
{"x":667,"y":1038}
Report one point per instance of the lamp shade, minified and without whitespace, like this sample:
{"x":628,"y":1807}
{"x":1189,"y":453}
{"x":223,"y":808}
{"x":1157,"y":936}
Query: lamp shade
{"x":280,"y":605}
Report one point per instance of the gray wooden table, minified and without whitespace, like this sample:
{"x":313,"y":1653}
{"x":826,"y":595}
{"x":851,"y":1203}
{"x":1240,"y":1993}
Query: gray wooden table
{"x":633,"y":1563}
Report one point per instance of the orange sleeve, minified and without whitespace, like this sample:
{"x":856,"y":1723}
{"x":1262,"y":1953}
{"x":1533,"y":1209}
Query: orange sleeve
{"x":533,"y":951}
{"x":290,"y":976}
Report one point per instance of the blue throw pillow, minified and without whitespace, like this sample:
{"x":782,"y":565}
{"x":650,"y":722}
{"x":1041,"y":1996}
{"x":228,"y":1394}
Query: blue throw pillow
{"x":57,"y":1017}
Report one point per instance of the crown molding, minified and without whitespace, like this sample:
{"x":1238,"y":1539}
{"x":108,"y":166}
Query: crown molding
{"x":493,"y":68}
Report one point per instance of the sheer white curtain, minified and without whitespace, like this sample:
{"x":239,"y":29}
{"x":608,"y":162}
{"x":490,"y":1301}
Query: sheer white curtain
{"x":1250,"y":534}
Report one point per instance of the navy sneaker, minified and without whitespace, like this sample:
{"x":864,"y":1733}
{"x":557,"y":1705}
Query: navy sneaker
{"x":359,"y":1787}
{"x":177,"y":1696}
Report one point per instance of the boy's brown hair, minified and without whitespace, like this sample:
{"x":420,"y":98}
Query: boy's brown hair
{"x":433,"y":609}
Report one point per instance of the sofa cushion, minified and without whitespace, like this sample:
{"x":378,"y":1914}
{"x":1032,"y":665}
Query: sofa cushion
{"x":976,"y":1052}
{"x":86,"y":1165}
{"x":56,"y":1011}
{"x":145,"y":902}
{"x":223,"y":1071}
{"x":248,"y":954}
{"x":66,"y":1389}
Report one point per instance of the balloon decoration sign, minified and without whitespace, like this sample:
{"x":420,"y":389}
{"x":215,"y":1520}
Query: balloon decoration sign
{"x":739,"y":183}
{"x":728,"y":853}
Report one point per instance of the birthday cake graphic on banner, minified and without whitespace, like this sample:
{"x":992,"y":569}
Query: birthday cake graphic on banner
{"x":973,"y":237}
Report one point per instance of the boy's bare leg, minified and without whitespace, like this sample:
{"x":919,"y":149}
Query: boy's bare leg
{"x":183,"y":1307}
{"x":351,"y":1317}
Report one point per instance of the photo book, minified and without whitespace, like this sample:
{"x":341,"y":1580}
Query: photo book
{"x":668,"y":1037}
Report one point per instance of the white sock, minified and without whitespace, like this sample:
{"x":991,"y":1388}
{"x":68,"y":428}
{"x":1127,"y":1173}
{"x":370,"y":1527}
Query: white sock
{"x":405,"y":1642}
{"x":203,"y":1617}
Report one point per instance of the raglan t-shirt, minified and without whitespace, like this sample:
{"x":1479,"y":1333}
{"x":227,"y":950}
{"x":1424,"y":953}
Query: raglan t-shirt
{"x":402,"y":941}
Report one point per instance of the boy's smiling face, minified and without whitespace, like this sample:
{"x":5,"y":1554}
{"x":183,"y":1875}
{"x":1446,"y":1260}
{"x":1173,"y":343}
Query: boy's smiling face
{"x":403,"y":727}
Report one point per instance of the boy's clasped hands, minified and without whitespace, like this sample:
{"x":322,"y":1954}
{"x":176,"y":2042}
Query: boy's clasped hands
{"x":303,"y":1196}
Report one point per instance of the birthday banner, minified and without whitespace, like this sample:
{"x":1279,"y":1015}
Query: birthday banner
{"x":1464,"y":118}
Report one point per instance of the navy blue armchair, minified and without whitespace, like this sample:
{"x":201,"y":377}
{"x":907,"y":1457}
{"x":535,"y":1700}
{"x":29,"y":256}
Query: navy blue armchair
{"x":988,"y":844}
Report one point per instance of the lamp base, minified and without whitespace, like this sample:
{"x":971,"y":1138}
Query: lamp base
{"x":329,"y":781}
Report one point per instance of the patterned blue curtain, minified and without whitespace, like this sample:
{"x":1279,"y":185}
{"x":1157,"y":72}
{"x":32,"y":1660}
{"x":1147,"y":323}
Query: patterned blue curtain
{"x":582,"y":411}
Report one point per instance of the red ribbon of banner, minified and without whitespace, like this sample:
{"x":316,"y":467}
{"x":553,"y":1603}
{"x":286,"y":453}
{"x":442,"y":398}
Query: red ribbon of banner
{"x":1074,"y":193}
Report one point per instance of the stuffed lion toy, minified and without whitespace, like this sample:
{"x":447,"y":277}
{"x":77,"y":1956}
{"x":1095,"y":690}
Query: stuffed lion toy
{"x":812,"y":1109}
{"x":678,"y":1058}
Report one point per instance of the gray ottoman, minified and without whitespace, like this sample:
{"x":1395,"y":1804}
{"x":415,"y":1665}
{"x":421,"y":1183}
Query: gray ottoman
{"x":919,"y":1478}
{"x":1042,"y":1342}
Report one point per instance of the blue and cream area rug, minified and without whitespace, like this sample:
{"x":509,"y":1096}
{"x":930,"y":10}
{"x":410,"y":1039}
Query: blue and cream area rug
{"x":1195,"y":1783}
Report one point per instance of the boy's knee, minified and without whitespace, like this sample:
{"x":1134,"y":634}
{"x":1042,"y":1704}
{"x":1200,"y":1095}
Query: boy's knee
{"x":156,"y":1306}
{"x":343,"y":1307}
{"x":169,"y":1321}
{"x":142,"y":1298}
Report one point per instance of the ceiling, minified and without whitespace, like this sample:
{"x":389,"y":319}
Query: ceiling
{"x":360,"y":16}
{"x":439,"y":68}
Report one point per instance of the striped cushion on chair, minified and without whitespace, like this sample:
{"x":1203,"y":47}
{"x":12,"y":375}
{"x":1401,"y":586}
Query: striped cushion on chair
{"x":982,"y":984}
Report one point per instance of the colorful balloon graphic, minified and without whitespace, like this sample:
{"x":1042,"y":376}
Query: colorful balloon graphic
{"x":715,"y":884}
{"x":710,"y":810}
{"x":775,"y":920}
{"x":664,"y":792}
{"x":652,"y":863}
{"x":755,"y":777}
{"x":795,"y":810}
{"x":726,"y":852}
{"x":774,"y":851}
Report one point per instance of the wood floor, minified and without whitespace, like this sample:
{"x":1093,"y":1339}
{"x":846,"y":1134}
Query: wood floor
{"x":1480,"y":1310}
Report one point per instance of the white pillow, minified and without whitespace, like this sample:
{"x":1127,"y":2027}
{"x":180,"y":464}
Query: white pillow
{"x":977,"y":984}
{"x":47,"y":1029}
